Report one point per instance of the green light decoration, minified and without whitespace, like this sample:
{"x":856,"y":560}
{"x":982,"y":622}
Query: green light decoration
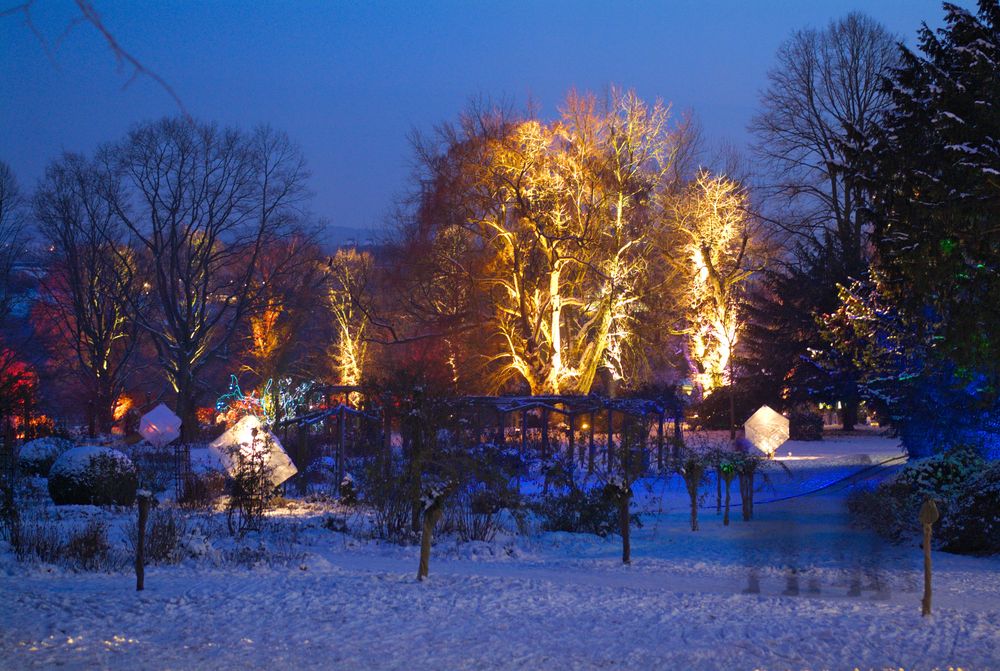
{"x":265,"y":404}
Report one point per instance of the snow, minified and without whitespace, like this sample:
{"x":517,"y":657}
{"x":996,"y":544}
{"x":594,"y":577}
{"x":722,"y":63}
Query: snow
{"x":73,"y":463}
{"x":36,"y":453}
{"x":795,"y":588}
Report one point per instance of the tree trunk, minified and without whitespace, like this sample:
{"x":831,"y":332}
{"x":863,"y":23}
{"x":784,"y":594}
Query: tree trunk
{"x":185,"y":408}
{"x":746,"y":495}
{"x":725,"y":515}
{"x":140,"y":546}
{"x":849,"y":413}
{"x":624,"y":522}
{"x":718,"y":491}
{"x":431,"y":518}
{"x":104,"y":408}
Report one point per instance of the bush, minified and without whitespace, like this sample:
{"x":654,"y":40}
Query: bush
{"x":251,"y":489}
{"x":972,"y":525}
{"x":37,"y":456}
{"x":88,"y":548}
{"x":93,"y":475}
{"x":594,"y":511}
{"x":941,"y":476}
{"x":386,"y":489}
{"x":164,"y":535}
{"x":966,"y":491}
{"x":154,"y":466}
{"x":201,"y":489}
{"x":39,"y":540}
{"x":805,"y":425}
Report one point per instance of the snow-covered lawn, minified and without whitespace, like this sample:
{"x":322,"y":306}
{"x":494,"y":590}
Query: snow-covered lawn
{"x":796,"y":588}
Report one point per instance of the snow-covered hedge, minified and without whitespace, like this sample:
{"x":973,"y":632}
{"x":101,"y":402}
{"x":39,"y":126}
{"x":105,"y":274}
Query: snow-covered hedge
{"x":973,"y":524}
{"x":966,"y":489}
{"x":94,"y":475}
{"x":37,"y":456}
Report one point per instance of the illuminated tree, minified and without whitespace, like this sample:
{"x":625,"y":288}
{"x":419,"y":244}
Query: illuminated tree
{"x":714,"y":236}
{"x":547,"y":229}
{"x":285,"y":337}
{"x":350,"y":276}
{"x":91,"y":287}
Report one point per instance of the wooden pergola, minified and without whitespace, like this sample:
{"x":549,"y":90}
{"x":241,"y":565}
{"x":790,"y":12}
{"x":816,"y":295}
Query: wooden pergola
{"x":590,"y":409}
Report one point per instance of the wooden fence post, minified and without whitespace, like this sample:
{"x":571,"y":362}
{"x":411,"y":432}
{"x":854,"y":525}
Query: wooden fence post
{"x":144,"y":498}
{"x":928,"y":516}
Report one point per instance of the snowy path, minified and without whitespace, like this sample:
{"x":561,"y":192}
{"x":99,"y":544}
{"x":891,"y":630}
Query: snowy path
{"x":794,"y":589}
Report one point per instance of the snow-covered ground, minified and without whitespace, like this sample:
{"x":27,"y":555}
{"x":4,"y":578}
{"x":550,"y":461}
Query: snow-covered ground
{"x":796,"y":588}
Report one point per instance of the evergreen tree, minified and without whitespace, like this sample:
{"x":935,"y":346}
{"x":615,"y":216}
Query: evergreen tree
{"x":936,"y":171}
{"x":925,"y":326}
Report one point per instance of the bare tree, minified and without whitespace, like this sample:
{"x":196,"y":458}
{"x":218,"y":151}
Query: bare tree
{"x":819,"y":108}
{"x":15,"y":376}
{"x":819,"y":112}
{"x":202,"y":203}
{"x":12,"y":237}
{"x":90,"y":287}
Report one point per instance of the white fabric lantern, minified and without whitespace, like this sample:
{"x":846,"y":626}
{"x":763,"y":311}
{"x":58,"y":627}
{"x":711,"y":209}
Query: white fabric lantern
{"x":767,"y":430}
{"x":160,"y":426}
{"x":239,"y":440}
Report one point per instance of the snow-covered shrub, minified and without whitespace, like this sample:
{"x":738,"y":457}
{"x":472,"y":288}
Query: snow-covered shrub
{"x":321,"y":473}
{"x":251,"y":486}
{"x":154,"y":466}
{"x":592,"y":511}
{"x":88,"y":548}
{"x":94,"y":475}
{"x":348,"y":491}
{"x":942,"y":476}
{"x":167,"y":528}
{"x":202,"y":489}
{"x":386,"y":488}
{"x":37,"y":539}
{"x":483,"y":489}
{"x":972,"y":525}
{"x":37,"y":456}
{"x":805,"y":425}
{"x":954,"y":479}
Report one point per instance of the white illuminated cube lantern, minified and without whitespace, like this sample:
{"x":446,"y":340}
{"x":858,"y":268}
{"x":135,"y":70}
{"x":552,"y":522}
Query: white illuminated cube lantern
{"x":239,"y":440}
{"x":767,"y":430}
{"x":160,"y":426}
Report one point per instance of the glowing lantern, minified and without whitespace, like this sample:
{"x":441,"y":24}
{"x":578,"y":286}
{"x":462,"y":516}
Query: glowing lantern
{"x":240,"y":440}
{"x":767,"y":430}
{"x":160,"y":426}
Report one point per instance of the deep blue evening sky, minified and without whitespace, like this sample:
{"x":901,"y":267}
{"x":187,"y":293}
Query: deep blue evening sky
{"x":348,"y":80}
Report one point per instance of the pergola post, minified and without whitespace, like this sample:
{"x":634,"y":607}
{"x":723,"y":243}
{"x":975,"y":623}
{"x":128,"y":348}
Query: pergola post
{"x":572,"y":438}
{"x":341,"y":432}
{"x":545,"y":433}
{"x":611,"y":439}
{"x":659,"y":442}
